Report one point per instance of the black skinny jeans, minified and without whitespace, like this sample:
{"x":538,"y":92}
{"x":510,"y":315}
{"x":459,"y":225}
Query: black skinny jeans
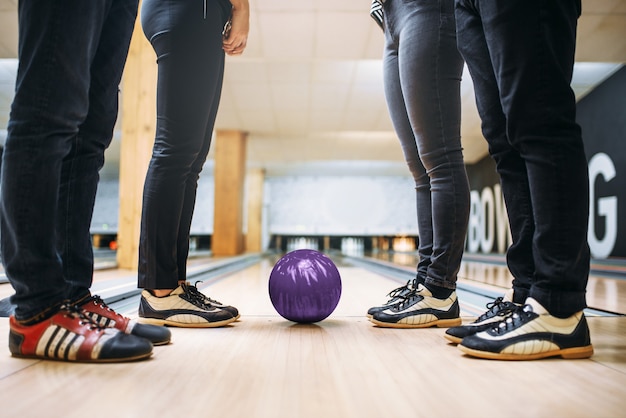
{"x":521,"y":56}
{"x":187,"y":38}
{"x":422,"y":75}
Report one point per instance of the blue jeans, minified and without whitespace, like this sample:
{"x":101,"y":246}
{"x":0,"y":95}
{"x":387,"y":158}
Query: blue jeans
{"x":422,"y":77}
{"x":71,"y":57}
{"x":188,"y":45}
{"x":521,"y":55}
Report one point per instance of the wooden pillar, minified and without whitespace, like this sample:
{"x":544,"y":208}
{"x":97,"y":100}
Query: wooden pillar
{"x":229,"y":177}
{"x":138,"y":124}
{"x":254,"y":235}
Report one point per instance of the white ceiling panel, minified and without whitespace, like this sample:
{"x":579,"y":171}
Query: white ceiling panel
{"x":366,"y":96}
{"x":329,"y":96}
{"x":325,"y":120}
{"x":293,"y":122}
{"x":246,"y":70}
{"x":251,"y":96}
{"x":329,"y":71}
{"x":343,"y":5}
{"x":287,"y":36}
{"x":288,"y":97}
{"x":308,"y":89}
{"x":289,"y":72}
{"x":339,"y":35}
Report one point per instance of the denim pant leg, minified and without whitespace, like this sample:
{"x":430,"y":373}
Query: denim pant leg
{"x":532,"y":44}
{"x":80,"y":173}
{"x":190,"y":72}
{"x":422,"y":74}
{"x":57,"y":44}
{"x":510,"y":165}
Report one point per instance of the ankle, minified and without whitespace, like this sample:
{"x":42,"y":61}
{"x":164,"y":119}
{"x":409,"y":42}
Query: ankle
{"x":160,"y":293}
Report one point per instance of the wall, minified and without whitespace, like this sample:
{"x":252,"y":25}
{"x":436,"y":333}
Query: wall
{"x":306,"y":205}
{"x":602,"y":116}
{"x":341,"y":205}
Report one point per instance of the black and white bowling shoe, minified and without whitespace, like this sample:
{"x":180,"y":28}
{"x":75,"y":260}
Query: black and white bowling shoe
{"x":183,"y":307}
{"x":420,"y":309}
{"x":530,"y":333}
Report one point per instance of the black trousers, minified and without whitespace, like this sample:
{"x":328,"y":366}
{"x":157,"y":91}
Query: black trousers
{"x":520,"y":54}
{"x":187,"y":38}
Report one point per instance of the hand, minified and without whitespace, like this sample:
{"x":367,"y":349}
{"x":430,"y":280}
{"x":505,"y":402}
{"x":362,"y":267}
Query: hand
{"x":236,"y":40}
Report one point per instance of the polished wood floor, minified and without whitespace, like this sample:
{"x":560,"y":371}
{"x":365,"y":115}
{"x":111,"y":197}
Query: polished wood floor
{"x":265,"y":366}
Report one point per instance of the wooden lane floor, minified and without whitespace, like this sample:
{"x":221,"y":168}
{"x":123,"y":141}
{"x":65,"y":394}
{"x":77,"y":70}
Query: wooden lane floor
{"x":265,"y":366}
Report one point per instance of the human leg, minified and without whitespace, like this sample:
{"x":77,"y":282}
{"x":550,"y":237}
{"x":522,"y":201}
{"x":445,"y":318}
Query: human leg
{"x":80,"y":168}
{"x":50,"y":105}
{"x":430,"y":76}
{"x":540,"y":109}
{"x":397,"y":111}
{"x":395,"y":19}
{"x":188,"y":93}
{"x":422,"y":81}
{"x":510,"y":166}
{"x":191,"y":186}
{"x":42,"y":206}
{"x":190,"y":76}
{"x":533,"y":66}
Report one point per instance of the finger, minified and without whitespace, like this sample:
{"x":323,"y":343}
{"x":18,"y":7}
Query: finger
{"x":230,"y":47}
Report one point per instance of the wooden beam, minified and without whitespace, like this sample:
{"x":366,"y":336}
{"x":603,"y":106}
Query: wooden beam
{"x":254,"y":234}
{"x":229,"y":177}
{"x":138,"y":124}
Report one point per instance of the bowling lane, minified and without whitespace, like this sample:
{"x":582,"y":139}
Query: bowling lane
{"x":247,"y":289}
{"x":363,"y":286}
{"x":265,"y":366}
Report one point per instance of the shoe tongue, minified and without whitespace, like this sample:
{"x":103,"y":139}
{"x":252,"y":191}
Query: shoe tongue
{"x":536,"y":307}
{"x":508,"y":296}
{"x":178,"y":291}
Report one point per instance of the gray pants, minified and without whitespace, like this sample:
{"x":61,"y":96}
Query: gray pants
{"x":422,"y":73}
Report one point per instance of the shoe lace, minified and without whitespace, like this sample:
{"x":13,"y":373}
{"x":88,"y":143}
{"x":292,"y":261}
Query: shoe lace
{"x":194,"y":296}
{"x":518,"y":317}
{"x":405,"y":299}
{"x":398,"y":292}
{"x":193,"y":288}
{"x":497,"y":307}
{"x":99,"y":301}
{"x":75,"y":311}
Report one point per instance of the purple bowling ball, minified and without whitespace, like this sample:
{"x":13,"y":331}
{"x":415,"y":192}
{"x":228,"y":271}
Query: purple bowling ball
{"x":305,"y":286}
